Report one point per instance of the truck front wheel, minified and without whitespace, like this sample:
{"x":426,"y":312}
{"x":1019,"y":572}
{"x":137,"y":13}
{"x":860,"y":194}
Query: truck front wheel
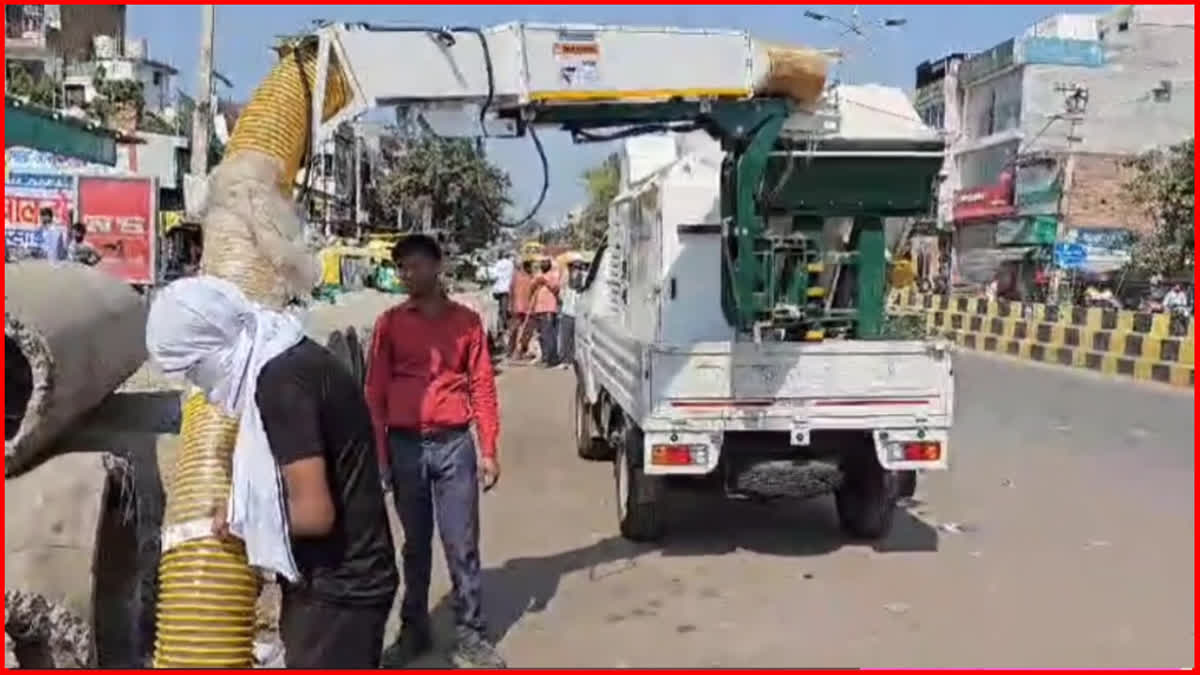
{"x":866,"y":500}
{"x":639,"y":497}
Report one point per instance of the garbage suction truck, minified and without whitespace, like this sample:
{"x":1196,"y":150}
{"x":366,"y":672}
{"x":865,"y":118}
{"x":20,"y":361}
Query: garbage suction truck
{"x":773,"y":363}
{"x":732,"y":333}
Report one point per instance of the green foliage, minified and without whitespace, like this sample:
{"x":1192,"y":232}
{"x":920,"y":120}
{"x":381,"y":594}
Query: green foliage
{"x":1164,"y":185}
{"x":903,"y":326}
{"x":115,"y":98}
{"x":603,"y":183}
{"x":156,"y":125}
{"x":465,"y":192}
{"x":36,"y":88}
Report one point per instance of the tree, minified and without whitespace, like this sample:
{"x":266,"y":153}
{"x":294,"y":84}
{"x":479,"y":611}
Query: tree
{"x":452,"y":178}
{"x":36,"y":88}
{"x":603,"y":183}
{"x":1164,"y":184}
{"x":118,"y":103}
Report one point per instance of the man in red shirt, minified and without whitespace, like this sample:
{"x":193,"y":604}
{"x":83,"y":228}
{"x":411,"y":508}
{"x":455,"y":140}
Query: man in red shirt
{"x":428,"y":378}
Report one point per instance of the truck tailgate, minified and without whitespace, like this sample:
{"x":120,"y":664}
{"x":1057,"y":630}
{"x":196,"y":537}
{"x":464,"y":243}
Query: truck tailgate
{"x":844,"y":377}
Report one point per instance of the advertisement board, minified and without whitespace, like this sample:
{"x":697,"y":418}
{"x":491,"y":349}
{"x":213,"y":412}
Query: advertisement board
{"x":120,"y":215}
{"x":1038,"y":188}
{"x":25,"y":195}
{"x":1099,"y":249}
{"x":985,"y":201}
{"x":1029,"y":231}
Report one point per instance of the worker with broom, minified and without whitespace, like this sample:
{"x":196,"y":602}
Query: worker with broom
{"x":544,"y":308}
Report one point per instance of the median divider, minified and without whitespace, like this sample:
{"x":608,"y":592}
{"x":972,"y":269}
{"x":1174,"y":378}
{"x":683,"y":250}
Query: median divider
{"x":1141,"y":345}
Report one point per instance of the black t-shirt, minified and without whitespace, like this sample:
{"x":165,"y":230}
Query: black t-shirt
{"x":311,"y":406}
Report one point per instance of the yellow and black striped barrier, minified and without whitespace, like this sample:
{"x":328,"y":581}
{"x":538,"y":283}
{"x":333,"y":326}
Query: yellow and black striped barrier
{"x":1141,"y":345}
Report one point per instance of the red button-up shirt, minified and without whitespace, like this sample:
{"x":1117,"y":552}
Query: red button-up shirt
{"x":429,"y":373}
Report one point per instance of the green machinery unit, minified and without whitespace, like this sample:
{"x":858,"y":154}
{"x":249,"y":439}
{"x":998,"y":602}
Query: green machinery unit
{"x":770,"y":278}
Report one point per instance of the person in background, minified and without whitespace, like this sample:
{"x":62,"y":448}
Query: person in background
{"x":546,"y":283}
{"x":428,"y":378}
{"x":520,"y":296}
{"x":1175,"y":301}
{"x":52,"y":237}
{"x":569,"y":300}
{"x":501,"y":274}
{"x":79,"y":250}
{"x":315,"y":425}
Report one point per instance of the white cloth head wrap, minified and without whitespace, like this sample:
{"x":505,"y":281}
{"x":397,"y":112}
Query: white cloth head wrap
{"x":206,"y":330}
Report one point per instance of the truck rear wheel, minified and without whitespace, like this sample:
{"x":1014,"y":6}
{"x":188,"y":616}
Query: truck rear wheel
{"x":639,"y":497}
{"x":587,"y":444}
{"x":866,"y":500}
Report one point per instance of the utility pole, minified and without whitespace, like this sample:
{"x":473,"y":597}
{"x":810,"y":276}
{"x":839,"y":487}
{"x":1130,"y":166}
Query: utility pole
{"x":202,"y":115}
{"x":1074,"y":107}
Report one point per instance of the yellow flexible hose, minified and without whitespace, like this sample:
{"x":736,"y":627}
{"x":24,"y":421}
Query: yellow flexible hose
{"x":275,"y":121}
{"x":207,"y":596}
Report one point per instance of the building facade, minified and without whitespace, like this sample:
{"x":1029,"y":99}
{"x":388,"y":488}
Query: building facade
{"x":938,"y":100}
{"x":45,"y":38}
{"x":1047,"y":120}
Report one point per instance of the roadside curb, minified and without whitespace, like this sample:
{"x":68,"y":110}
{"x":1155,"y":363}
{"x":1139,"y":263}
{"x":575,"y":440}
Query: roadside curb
{"x":1138,"y":345}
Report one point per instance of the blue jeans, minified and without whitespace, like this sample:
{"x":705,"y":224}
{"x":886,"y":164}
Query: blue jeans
{"x":438,"y":474}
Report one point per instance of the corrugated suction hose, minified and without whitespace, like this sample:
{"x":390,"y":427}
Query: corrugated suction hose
{"x":206,"y":605}
{"x":275,"y":121}
{"x":207,"y":590}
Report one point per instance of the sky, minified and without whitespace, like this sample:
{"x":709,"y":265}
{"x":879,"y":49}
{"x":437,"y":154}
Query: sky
{"x":245,"y":34}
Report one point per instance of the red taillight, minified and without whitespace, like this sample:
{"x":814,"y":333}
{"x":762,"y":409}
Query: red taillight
{"x":671,"y":455}
{"x":922,"y":451}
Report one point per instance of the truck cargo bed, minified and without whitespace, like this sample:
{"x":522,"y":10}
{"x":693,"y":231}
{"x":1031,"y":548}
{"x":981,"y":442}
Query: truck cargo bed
{"x":876,"y":384}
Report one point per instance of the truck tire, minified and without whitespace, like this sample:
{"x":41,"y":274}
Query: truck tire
{"x":357,"y":362}
{"x":639,"y":497}
{"x":866,"y":500}
{"x":341,"y":349}
{"x":907,"y":484}
{"x":587,"y":444}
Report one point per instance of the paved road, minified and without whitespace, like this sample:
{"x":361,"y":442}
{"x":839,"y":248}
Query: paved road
{"x":1074,"y":546}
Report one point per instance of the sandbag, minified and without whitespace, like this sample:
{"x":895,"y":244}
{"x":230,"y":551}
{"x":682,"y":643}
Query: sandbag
{"x":798,"y":73}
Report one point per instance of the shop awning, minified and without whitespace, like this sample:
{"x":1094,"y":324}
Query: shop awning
{"x":31,"y":126}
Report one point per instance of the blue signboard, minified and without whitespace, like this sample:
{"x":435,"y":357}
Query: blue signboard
{"x":1060,"y":52}
{"x":1070,"y":256}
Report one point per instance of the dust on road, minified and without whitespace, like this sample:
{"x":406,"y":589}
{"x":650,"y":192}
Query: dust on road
{"x":1063,"y":536}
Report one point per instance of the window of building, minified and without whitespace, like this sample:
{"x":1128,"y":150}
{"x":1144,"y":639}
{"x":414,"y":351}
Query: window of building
{"x":326,"y":164}
{"x":1122,"y":26}
{"x":14,"y":20}
{"x":157,"y":78}
{"x":75,"y":95}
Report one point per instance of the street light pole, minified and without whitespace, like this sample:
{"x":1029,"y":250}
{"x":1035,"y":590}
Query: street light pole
{"x":202,"y":114}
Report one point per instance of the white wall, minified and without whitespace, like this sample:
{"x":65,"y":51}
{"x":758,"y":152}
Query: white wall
{"x":1123,"y":115}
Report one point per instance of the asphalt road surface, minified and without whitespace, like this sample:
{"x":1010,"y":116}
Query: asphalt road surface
{"x":1062,"y":536}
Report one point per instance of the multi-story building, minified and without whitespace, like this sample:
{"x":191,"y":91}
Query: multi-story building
{"x":43,"y":39}
{"x":1047,"y":120}
{"x":938,"y":100}
{"x":129,"y":61}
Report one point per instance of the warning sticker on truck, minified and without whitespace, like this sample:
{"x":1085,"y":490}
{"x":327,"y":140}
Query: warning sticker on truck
{"x":578,"y":63}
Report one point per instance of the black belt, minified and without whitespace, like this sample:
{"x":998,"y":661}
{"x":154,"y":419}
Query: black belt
{"x":436,"y":435}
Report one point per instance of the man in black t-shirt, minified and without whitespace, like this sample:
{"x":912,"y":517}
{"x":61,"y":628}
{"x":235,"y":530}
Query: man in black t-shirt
{"x":256,"y":364}
{"x":312,"y":408}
